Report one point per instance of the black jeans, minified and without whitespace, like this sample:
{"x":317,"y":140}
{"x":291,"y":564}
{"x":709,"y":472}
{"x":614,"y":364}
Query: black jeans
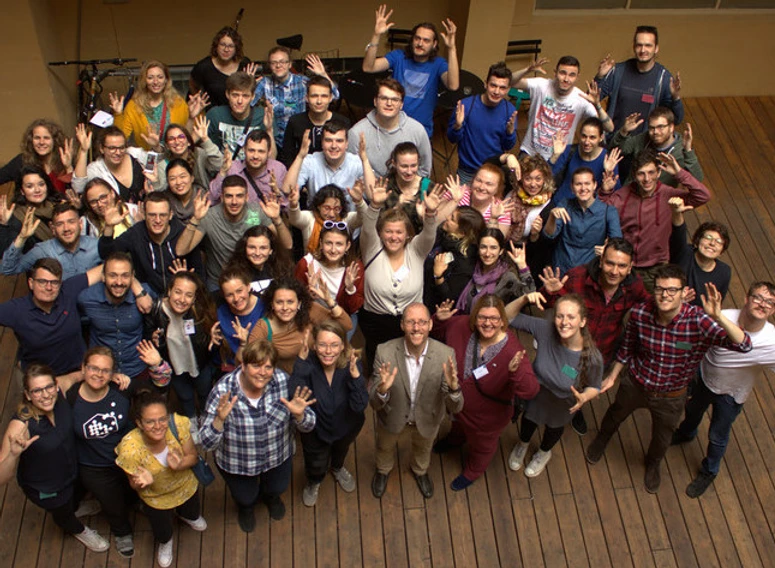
{"x":376,"y":329}
{"x":161,"y":520}
{"x":319,"y":456}
{"x":247,"y":489}
{"x":110,"y":487}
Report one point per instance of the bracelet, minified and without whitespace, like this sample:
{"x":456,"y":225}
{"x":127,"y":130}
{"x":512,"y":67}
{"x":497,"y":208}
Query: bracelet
{"x":192,"y":224}
{"x":438,"y":277}
{"x":370,"y":45}
{"x":142,"y":294}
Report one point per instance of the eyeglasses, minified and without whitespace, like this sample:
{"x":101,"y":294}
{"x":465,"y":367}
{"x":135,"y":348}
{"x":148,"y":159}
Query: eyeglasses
{"x":393,"y":100}
{"x":48,"y":389}
{"x":417,"y":323}
{"x":114,"y":149}
{"x":329,"y":346}
{"x":341,"y":225}
{"x":279,"y":63}
{"x":157,"y":422}
{"x":756,"y":299}
{"x":178,"y":138}
{"x":227,"y":45}
{"x":711,"y":239}
{"x":47,"y":283}
{"x":658,"y":126}
{"x":101,"y":199}
{"x":98,"y":370}
{"x":485,"y":319}
{"x":672,"y":291}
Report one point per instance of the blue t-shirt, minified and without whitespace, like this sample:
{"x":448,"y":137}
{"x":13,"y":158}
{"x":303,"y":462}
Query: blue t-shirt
{"x":569,"y":162}
{"x":226,"y":319}
{"x":421,"y":82}
{"x":51,"y":338}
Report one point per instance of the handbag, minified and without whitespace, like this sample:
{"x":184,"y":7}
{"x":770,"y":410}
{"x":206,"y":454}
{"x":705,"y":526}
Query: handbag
{"x":201,"y":468}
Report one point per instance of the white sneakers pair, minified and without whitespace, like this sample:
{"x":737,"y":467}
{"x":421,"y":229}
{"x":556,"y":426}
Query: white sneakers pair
{"x":537,"y":463}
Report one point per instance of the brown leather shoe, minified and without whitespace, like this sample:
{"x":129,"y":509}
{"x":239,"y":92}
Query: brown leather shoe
{"x":653,"y":477}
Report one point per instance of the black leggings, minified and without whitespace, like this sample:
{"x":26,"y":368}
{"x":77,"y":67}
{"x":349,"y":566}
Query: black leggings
{"x":551,"y":435}
{"x":161,"y":520}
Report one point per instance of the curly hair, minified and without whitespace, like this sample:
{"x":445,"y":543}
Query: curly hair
{"x":532,"y":163}
{"x":301,"y":319}
{"x":31,"y":158}
{"x":142,"y":96}
{"x":235,"y":36}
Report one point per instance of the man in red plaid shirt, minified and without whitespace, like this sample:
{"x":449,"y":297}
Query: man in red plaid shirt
{"x":609,"y":290}
{"x":664,"y":342}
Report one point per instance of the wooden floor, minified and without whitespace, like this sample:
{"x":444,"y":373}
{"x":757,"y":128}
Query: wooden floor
{"x":572,"y":515}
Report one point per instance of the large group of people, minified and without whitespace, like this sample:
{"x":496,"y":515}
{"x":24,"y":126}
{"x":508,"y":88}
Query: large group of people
{"x":196,"y":286}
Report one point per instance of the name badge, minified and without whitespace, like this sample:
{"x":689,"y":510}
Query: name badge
{"x":480,"y":372}
{"x":241,"y":140}
{"x":647,"y":98}
{"x":683,"y":345}
{"x":570,"y":371}
{"x":43,"y":496}
{"x":188,"y":327}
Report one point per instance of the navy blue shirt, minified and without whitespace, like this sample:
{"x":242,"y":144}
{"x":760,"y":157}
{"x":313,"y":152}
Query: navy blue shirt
{"x":99,"y":426}
{"x":116,"y":326}
{"x":52,"y":338}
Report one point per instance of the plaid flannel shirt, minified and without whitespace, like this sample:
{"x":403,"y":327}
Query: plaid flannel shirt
{"x":253,"y":440}
{"x":665,"y":358}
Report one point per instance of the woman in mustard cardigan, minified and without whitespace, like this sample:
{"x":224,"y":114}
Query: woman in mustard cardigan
{"x":155,"y":105}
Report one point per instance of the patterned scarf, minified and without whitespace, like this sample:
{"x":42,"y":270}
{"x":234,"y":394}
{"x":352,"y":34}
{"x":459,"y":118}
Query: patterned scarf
{"x":485,"y":283}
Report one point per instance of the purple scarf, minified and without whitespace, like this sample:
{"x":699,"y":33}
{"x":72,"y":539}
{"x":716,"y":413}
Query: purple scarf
{"x":485,"y":283}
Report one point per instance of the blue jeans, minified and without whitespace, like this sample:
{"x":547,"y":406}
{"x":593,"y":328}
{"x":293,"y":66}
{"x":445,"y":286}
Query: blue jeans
{"x":466,"y":177}
{"x":725,"y":411}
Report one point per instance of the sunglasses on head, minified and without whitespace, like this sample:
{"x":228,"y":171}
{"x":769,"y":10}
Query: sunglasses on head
{"x":341,"y":225}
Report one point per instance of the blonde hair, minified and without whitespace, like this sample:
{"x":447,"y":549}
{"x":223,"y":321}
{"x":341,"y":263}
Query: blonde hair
{"x":142,"y":96}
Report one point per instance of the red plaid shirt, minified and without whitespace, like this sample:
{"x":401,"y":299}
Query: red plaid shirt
{"x":665,"y":358}
{"x":604,"y":319}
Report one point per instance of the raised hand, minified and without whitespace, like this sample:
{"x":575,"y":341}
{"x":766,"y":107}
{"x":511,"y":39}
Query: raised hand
{"x":29,"y":224}
{"x":251,"y":68}
{"x":201,"y":205}
{"x":551,"y":279}
{"x":216,"y":336}
{"x":241,"y":333}
{"x":460,"y":115}
{"x":273,"y":185}
{"x":152,"y":137}
{"x":440,"y":264}
{"x":227,"y":161}
{"x":675,"y":86}
{"x":356,"y":191}
{"x":448,"y":35}
{"x":450,"y":373}
{"x":112,"y":216}
{"x":561,"y":214}
{"x":379,"y":193}
{"x":201,"y":126}
{"x":179,"y":265}
{"x":66,"y":153}
{"x":537,"y":66}
{"x":453,"y":186}
{"x":668,"y":163}
{"x":84,"y":137}
{"x":315,"y":65}
{"x":433,"y":199}
{"x":677,"y":205}
{"x":688,"y":138}
{"x":689,"y":294}
{"x":293,"y":197}
{"x":225,"y":404}
{"x":74,"y":199}
{"x":600,"y":248}
{"x":387,"y":374}
{"x":445,"y":310}
{"x":5,"y":212}
{"x":142,"y":478}
{"x":606,"y":66}
{"x":512,"y":123}
{"x":21,"y":440}
{"x":515,"y":361}
{"x":305,"y":142}
{"x":535,"y":228}
{"x":174,"y":458}
{"x":559,"y":143}
{"x":269,"y":117}
{"x":609,"y":182}
{"x":300,"y":401}
{"x":592,"y":96}
{"x":381,"y":24}
{"x":116,"y":102}
{"x":351,"y":275}
{"x":711,"y":301}
{"x":148,"y":353}
{"x":362,"y":153}
{"x":537,"y":299}
{"x":304,"y":347}
{"x":517,"y":255}
{"x":632,"y":122}
{"x":122,"y":380}
{"x":612,"y":159}
{"x":355,"y":373}
{"x":271,"y":207}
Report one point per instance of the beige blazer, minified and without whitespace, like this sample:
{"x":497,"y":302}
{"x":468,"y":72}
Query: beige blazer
{"x":433,"y":397}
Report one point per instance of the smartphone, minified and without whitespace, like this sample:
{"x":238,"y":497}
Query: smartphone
{"x":150,"y":162}
{"x":449,"y":257}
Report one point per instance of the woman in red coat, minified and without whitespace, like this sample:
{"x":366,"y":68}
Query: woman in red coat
{"x":490,"y":360}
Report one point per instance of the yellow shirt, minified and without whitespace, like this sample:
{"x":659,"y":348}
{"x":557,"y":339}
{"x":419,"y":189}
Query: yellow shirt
{"x":170,"y":488}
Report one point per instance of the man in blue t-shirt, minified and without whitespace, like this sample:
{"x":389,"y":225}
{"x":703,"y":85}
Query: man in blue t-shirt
{"x":417,"y":67}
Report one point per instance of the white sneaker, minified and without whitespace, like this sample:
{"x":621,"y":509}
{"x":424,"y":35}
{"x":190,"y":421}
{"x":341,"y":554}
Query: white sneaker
{"x":345,"y":479}
{"x":92,"y":540}
{"x":199,"y":524}
{"x":517,"y":456}
{"x":87,"y":508}
{"x":538,"y":463}
{"x":164,"y":555}
{"x":310,"y":494}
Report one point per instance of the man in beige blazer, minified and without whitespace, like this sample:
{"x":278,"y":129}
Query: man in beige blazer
{"x":414,"y":382}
